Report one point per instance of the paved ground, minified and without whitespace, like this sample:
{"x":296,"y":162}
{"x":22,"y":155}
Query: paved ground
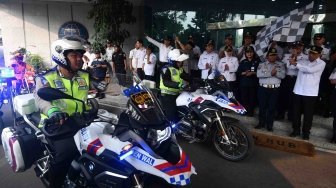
{"x":265,"y":168}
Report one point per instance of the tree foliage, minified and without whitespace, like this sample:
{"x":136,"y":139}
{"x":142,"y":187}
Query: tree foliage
{"x":168,"y":23}
{"x":108,"y":17}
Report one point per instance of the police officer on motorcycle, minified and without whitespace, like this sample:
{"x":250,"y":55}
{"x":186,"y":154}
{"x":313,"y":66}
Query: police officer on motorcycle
{"x":67,"y":77}
{"x":171,"y":82}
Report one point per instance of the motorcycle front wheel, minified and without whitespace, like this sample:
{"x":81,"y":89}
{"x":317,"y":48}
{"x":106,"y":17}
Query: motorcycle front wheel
{"x":238,"y":147}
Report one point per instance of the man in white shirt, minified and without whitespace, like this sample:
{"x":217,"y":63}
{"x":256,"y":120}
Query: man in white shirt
{"x":164,"y":49}
{"x":208,"y":61}
{"x":227,"y":67}
{"x":109,"y":52}
{"x":138,"y":55}
{"x":306,"y":90}
{"x":149,"y":63}
{"x":287,"y":85}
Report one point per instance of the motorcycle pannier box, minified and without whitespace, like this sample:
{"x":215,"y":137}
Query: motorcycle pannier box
{"x":21,"y":147}
{"x":25,"y":104}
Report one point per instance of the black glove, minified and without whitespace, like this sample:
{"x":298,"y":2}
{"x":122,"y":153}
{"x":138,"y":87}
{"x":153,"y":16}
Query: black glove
{"x":58,"y":117}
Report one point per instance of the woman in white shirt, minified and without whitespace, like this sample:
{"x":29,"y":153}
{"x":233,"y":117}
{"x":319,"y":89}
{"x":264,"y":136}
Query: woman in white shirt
{"x":149,"y":64}
{"x":228,"y":67}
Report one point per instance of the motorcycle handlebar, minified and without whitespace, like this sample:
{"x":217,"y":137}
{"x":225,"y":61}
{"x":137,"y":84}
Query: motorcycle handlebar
{"x":72,"y":124}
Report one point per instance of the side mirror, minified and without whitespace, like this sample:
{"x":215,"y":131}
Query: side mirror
{"x":50,"y":94}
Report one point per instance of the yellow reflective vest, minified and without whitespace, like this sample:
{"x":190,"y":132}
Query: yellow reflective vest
{"x":175,"y":76}
{"x":78,"y":87}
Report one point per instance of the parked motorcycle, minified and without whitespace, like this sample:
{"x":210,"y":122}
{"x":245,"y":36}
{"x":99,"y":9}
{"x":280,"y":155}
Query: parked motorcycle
{"x":122,"y":154}
{"x":203,"y":117}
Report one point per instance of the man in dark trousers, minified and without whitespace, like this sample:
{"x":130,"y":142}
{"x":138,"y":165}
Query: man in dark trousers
{"x":119,"y":65}
{"x":306,"y":90}
{"x":171,"y":82}
{"x":270,"y":74}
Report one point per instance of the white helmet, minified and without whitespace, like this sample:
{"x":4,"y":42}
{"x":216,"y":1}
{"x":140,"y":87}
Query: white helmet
{"x":175,"y":55}
{"x":61,"y":47}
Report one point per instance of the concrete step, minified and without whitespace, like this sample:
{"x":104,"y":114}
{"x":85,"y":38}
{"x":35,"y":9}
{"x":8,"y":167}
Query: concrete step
{"x":321,"y":130}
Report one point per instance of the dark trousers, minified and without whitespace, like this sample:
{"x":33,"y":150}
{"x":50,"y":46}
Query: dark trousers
{"x":267,"y":103}
{"x":195,"y":73}
{"x":333,"y":99}
{"x":303,"y":104}
{"x":151,"y":78}
{"x":285,"y":102}
{"x":63,"y":152}
{"x":234,"y":87}
{"x":141,"y":73}
{"x":169,"y":106}
{"x":249,"y":98}
{"x":121,"y":76}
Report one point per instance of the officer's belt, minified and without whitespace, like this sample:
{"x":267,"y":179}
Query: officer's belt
{"x":163,"y":92}
{"x":270,"y":85}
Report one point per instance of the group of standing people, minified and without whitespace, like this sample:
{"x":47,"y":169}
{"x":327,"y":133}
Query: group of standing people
{"x":288,"y":81}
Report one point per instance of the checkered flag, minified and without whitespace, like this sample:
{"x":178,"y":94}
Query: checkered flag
{"x":287,"y":28}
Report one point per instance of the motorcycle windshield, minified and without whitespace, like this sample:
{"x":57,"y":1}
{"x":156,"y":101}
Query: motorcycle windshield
{"x":144,"y":105}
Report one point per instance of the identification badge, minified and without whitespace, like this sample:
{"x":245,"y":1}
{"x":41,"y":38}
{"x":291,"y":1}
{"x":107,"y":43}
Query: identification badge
{"x":60,"y":85}
{"x":174,"y":72}
{"x":81,"y":83}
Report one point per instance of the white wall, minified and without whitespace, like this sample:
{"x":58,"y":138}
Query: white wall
{"x":35,"y":24}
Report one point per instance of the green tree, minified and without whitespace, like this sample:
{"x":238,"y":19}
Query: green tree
{"x":108,"y":17}
{"x":168,"y":23}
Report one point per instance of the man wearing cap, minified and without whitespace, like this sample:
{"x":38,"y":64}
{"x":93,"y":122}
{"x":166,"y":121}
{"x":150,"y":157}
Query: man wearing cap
{"x":306,"y":90}
{"x":248,"y":39}
{"x":287,"y":85}
{"x":270,"y":74}
{"x":208,"y":61}
{"x":227,"y":67}
{"x":319,"y":40}
{"x":228,"y":41}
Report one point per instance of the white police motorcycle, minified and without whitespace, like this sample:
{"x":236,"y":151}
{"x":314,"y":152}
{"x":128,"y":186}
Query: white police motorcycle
{"x":113,"y":153}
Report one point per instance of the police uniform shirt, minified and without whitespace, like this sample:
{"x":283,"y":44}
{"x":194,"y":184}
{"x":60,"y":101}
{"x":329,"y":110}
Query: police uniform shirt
{"x":163,"y":49}
{"x":265,"y":76}
{"x":139,"y":55}
{"x":118,"y":60}
{"x":232,"y":63}
{"x":291,"y":69}
{"x":333,"y":75}
{"x":210,"y":58}
{"x":149,"y":68}
{"x":309,"y":75}
{"x":240,"y":49}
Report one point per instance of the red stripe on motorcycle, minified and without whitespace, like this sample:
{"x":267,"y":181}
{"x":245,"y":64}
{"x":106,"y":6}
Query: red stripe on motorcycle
{"x":11,"y":143}
{"x":92,"y":144}
{"x":180,"y":171}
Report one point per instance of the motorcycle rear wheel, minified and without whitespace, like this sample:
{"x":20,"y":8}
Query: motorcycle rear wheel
{"x":241,"y":142}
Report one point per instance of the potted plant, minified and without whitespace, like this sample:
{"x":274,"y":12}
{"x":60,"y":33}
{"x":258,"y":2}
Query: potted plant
{"x":36,"y":61}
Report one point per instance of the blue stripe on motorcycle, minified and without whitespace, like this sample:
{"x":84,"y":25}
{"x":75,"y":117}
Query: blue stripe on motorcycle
{"x":185,"y":164}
